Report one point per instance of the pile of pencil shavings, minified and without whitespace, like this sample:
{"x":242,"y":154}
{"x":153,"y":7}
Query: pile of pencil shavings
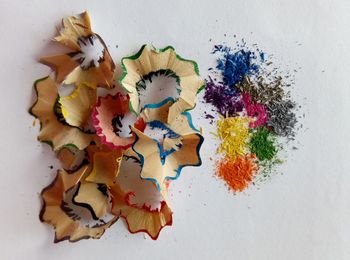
{"x":107,"y":173}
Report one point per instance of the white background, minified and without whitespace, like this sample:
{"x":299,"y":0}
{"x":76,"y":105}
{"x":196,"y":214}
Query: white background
{"x":302,"y":214}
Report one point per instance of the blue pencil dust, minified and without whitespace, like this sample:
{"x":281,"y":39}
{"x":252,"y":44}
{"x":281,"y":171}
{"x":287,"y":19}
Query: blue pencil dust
{"x":235,"y":65}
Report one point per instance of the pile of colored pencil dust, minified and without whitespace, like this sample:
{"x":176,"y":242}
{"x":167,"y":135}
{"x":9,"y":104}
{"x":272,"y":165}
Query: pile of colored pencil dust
{"x":256,"y":115}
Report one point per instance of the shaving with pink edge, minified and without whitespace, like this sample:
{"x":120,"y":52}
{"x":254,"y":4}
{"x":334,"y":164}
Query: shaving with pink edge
{"x":107,"y":118}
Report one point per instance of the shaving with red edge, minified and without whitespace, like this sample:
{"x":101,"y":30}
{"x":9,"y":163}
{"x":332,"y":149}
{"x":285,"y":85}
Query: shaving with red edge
{"x":108,"y":118}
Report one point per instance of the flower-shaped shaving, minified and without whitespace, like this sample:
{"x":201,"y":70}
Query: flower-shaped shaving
{"x":149,"y":61}
{"x":88,"y":188}
{"x":89,"y":60}
{"x":139,"y":202}
{"x":53,"y":131}
{"x":55,"y":210}
{"x":76,"y":108}
{"x":162,"y":158}
{"x":108,"y":121}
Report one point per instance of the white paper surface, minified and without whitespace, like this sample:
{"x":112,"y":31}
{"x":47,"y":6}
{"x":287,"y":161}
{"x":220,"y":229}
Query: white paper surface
{"x":303,"y":214}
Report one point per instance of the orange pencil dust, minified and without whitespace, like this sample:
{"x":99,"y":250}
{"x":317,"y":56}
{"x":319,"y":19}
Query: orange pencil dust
{"x":238,"y":173}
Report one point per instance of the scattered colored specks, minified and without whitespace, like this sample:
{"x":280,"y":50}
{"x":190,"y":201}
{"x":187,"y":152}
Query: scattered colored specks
{"x":234,"y":135}
{"x":255,"y":110}
{"x":262,"y":143}
{"x":223,"y":98}
{"x":256,"y":115}
{"x":238,"y":173}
